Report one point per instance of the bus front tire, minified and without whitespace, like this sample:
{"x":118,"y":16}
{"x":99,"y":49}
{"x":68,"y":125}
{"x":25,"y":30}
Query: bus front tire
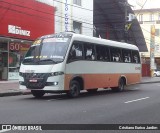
{"x":74,"y":89}
{"x":37,"y":93}
{"x":120,"y":87}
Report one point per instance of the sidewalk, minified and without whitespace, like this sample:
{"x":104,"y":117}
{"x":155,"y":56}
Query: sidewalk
{"x":11,"y":88}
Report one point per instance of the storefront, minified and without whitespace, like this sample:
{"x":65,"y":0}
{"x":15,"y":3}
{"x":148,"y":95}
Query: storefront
{"x":12,"y":52}
{"x":20,"y":25}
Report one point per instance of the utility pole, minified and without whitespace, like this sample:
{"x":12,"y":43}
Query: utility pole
{"x":152,"y":50}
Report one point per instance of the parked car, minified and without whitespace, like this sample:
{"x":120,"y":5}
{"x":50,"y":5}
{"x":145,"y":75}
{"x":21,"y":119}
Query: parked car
{"x":156,"y":73}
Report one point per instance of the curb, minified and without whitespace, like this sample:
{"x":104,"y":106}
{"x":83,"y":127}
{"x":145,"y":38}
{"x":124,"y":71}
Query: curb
{"x":5,"y":94}
{"x":16,"y":93}
{"x":149,"y":82}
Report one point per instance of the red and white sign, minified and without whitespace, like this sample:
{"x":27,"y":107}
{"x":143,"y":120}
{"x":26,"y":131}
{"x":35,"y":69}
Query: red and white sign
{"x":14,"y":46}
{"x":27,"y":19}
{"x":18,"y":46}
{"x":18,"y":31}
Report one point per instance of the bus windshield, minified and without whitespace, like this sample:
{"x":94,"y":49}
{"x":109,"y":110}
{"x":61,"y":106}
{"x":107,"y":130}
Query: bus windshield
{"x":47,"y":51}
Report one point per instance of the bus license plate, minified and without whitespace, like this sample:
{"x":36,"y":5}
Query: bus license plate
{"x":33,"y":80}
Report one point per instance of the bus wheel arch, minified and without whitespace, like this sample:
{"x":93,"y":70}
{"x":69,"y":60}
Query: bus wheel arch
{"x":124,"y":79}
{"x":121,"y":84}
{"x":74,"y":89}
{"x":80,"y":80}
{"x":76,"y":84}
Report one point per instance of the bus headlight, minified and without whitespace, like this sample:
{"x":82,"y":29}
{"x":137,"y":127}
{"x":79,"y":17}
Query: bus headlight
{"x":56,"y":73}
{"x":55,"y":83}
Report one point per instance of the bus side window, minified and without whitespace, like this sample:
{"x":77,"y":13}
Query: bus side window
{"x":102,"y":53}
{"x":115,"y":54}
{"x":135,"y":57}
{"x":76,"y":51}
{"x":99,"y":52}
{"x":126,"y":55}
{"x":89,"y":51}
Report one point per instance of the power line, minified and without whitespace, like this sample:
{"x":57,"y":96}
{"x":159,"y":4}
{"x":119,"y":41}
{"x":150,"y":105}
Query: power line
{"x":149,"y":32}
{"x":141,"y":8}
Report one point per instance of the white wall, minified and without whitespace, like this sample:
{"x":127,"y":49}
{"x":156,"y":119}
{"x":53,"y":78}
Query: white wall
{"x":67,"y":12}
{"x":82,"y":14}
{"x":146,"y":28}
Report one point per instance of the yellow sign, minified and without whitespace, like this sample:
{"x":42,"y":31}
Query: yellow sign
{"x":37,"y":42}
{"x":128,"y":26}
{"x":153,"y":30}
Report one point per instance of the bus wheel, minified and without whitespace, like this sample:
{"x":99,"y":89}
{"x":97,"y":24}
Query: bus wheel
{"x":74,"y":89}
{"x":120,"y":87}
{"x":92,"y":90}
{"x":37,"y":93}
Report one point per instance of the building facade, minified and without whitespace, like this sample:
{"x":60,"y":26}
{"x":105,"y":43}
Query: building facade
{"x":73,"y":15}
{"x":21,"y":22}
{"x":149,"y":20}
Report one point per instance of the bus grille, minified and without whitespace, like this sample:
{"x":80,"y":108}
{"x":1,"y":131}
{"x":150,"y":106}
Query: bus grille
{"x":38,"y":78}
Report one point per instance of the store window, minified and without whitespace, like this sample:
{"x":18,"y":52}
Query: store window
{"x":3,"y":60}
{"x":17,"y":51}
{"x":77,"y":27}
{"x":77,"y":2}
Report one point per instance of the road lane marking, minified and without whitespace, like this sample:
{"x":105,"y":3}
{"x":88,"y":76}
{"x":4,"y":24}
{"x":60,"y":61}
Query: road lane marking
{"x":137,"y":100}
{"x":134,"y":89}
{"x":2,"y":131}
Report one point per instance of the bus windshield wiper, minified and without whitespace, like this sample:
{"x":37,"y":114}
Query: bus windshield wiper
{"x":47,"y":60}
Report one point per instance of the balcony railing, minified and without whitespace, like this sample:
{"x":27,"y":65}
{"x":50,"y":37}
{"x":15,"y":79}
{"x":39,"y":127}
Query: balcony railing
{"x":150,"y":22}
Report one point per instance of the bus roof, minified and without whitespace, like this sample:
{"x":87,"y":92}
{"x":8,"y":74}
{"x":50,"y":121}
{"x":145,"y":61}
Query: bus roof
{"x":80,"y":37}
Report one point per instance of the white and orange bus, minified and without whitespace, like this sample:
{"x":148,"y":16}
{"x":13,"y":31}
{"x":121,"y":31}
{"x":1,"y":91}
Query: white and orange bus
{"x":69,"y":62}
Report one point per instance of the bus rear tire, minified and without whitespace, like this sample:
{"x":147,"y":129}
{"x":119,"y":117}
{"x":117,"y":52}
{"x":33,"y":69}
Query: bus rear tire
{"x":121,"y":85}
{"x":37,"y":93}
{"x":74,"y":89}
{"x":92,"y":90}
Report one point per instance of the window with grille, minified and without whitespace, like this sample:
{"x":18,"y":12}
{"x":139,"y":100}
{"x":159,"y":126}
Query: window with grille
{"x":77,"y":27}
{"x":140,"y":17}
{"x":77,"y":2}
{"x":151,"y":17}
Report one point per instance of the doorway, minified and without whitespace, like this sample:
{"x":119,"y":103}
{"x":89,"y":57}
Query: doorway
{"x":3,"y":61}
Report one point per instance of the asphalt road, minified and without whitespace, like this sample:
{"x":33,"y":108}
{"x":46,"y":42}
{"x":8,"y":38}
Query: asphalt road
{"x":139,"y":105}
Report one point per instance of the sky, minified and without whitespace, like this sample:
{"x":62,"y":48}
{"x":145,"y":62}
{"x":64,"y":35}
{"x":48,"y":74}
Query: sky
{"x":136,"y":3}
{"x":149,"y":4}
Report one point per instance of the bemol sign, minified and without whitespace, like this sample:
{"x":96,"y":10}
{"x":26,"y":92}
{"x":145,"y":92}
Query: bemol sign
{"x":18,"y":30}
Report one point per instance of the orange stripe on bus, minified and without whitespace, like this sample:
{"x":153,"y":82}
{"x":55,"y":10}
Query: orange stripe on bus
{"x":102,"y":80}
